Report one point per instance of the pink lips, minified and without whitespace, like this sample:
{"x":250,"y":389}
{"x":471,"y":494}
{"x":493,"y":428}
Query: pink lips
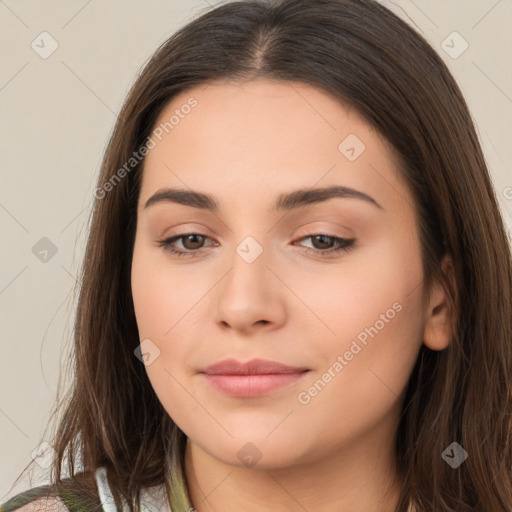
{"x":253,"y":378}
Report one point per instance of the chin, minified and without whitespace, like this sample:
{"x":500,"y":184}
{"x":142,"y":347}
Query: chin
{"x":258,"y":451}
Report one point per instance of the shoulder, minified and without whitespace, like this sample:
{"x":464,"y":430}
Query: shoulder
{"x":79,"y":494}
{"x":86,"y":492}
{"x":36,"y":505}
{"x":34,"y":499}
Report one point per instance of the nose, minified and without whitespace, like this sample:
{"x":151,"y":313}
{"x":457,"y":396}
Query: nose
{"x":250,"y":297}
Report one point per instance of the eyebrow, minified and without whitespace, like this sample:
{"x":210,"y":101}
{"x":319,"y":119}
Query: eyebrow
{"x":285,"y":201}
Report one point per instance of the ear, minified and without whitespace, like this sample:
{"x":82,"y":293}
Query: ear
{"x":439,"y":314}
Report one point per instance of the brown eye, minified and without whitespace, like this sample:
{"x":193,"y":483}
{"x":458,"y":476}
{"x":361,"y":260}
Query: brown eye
{"x":323,"y":241}
{"x":328,"y":245}
{"x":192,"y":241}
{"x":191,"y":244}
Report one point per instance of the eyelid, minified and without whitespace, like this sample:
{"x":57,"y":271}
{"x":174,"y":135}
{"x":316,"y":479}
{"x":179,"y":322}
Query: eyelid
{"x":311,"y":227}
{"x":321,"y":227}
{"x":185,"y":229}
{"x":310,"y":231}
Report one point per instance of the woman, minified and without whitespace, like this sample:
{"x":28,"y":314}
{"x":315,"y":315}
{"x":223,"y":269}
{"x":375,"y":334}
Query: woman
{"x":261,"y":368}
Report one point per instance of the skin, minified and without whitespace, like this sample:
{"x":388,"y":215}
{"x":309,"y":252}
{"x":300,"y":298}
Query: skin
{"x":245,"y":144}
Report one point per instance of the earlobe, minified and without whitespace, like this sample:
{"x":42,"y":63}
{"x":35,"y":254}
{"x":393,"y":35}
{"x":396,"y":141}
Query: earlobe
{"x":439,"y":314}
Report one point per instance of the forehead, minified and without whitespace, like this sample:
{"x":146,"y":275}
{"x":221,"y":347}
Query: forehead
{"x":265,"y":135}
{"x":256,"y":111}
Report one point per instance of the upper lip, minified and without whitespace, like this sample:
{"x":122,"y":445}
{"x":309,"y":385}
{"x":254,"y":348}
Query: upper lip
{"x":252,"y":367}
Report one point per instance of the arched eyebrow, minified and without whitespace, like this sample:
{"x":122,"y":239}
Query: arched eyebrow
{"x":285,"y":201}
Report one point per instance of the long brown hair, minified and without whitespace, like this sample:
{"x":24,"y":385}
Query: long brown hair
{"x":370,"y":59}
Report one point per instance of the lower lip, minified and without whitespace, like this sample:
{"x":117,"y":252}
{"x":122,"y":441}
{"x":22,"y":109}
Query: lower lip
{"x":247,"y":386}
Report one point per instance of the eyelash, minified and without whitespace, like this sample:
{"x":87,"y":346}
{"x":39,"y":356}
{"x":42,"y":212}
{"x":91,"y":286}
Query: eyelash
{"x":345,"y":244}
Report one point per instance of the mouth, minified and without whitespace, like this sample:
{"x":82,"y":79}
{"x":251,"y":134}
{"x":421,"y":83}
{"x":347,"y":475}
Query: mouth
{"x":254,"y":378}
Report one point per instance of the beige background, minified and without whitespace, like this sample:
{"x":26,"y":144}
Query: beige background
{"x":57,"y":114}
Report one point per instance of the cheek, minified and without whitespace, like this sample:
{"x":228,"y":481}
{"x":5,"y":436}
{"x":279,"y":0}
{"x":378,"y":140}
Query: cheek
{"x":163,"y":294}
{"x":370,"y":293}
{"x":376,"y":312}
{"x":161,"y":302}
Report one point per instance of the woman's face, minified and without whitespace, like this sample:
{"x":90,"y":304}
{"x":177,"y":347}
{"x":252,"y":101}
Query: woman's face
{"x":258,"y":280}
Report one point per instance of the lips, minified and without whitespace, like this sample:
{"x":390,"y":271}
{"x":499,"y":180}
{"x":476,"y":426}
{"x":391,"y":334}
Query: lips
{"x":254,"y":378}
{"x":252,"y":367}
